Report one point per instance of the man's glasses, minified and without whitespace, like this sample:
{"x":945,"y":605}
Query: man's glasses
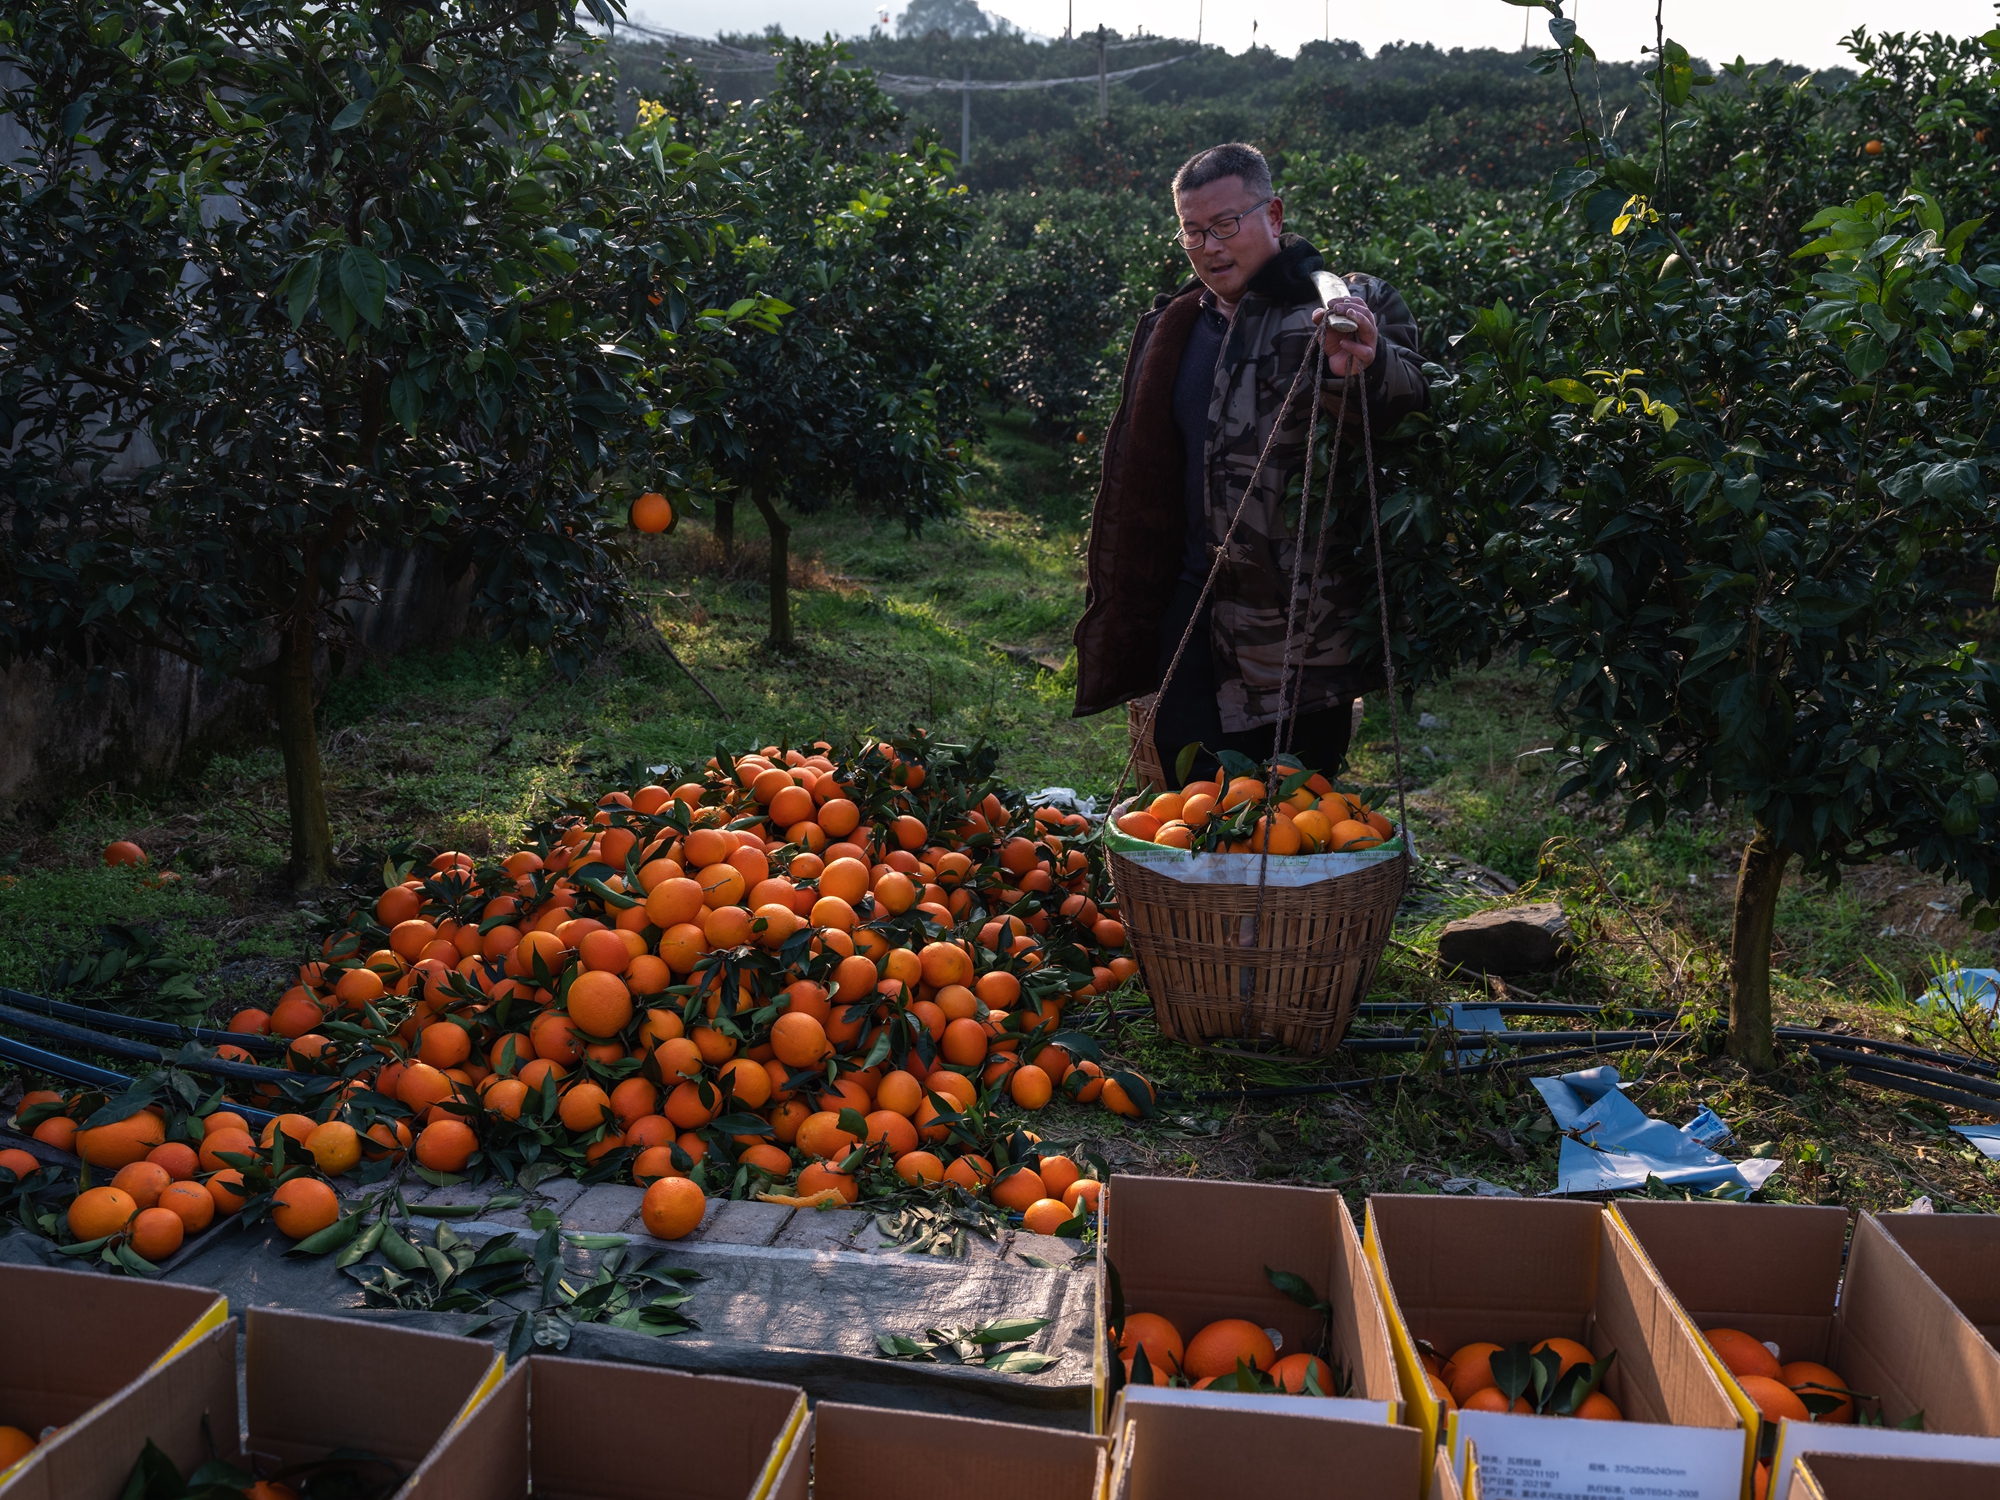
{"x":1222,"y":229}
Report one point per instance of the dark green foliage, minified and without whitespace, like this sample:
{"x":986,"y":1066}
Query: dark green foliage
{"x":290,"y":286}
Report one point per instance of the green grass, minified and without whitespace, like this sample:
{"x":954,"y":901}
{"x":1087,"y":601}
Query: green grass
{"x":965,"y":630}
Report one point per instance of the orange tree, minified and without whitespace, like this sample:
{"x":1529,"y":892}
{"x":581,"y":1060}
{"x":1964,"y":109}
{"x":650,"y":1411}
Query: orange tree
{"x":1734,"y":497}
{"x":286,"y":288}
{"x":866,"y":390}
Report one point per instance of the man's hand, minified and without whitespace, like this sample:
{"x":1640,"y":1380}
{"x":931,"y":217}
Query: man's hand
{"x":1347,"y":353}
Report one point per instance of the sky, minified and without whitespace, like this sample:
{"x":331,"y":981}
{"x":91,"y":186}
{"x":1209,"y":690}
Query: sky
{"x":1799,"y":31}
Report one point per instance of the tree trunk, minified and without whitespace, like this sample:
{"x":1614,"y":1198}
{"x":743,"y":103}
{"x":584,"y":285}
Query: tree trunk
{"x":725,"y":526}
{"x":1751,"y":1041}
{"x":298,"y":737}
{"x":781,"y":573}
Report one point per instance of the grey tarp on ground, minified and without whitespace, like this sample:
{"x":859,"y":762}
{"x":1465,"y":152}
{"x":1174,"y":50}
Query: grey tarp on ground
{"x":788,"y":1311}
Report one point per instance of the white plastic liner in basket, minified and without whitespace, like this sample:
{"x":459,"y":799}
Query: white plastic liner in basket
{"x":1290,"y":870}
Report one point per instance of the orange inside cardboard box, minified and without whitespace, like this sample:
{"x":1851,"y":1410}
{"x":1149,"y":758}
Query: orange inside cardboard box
{"x":1455,"y":1271}
{"x":1196,"y":1251}
{"x":591,"y":1430}
{"x":1775,"y":1272}
{"x":1163,"y":1450}
{"x":868,"y":1453}
{"x":74,"y":1346}
{"x":311,"y":1384}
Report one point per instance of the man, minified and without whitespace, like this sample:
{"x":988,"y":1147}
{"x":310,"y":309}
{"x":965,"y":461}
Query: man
{"x":1208,"y":373}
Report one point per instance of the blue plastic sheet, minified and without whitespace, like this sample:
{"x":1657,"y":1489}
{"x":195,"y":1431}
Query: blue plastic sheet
{"x":1966,"y":987}
{"x":1610,"y":1145}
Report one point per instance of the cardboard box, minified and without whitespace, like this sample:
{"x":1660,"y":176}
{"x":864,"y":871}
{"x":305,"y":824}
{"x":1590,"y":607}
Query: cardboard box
{"x":1459,"y":1270}
{"x":1857,"y":1476}
{"x":867,"y":1453}
{"x":1775,"y":1272}
{"x":75,"y":1344}
{"x":1959,"y":1253}
{"x":1196,"y":1251}
{"x":311,"y":1384}
{"x":1162,"y":1450}
{"x":585,"y":1429}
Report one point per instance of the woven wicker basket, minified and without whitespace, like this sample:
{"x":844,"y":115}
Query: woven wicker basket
{"x":1146,"y":768}
{"x":1297,"y":988}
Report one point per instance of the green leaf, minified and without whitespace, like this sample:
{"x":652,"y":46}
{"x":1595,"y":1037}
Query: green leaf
{"x":352,"y":115}
{"x":1573,"y":391}
{"x":340,"y":1232}
{"x":365,"y":281}
{"x":177,"y":72}
{"x":1020,"y":1362}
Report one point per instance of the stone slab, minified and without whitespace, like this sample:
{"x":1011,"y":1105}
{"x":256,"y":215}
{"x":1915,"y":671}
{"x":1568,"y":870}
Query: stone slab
{"x":744,"y":1222}
{"x":820,"y":1229}
{"x":604,"y":1208}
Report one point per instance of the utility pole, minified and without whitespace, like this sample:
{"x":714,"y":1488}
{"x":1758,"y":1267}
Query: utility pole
{"x":1200,"y":7}
{"x":965,"y":122}
{"x":1069,"y":26}
{"x":1103,"y":88}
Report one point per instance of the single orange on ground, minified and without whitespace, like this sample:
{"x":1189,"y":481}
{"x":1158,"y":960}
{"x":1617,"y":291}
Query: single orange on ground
{"x":156,"y":1234}
{"x":303,"y":1206}
{"x":335,"y":1147}
{"x":122,"y":1142}
{"x":820,"y":1177}
{"x":1019,"y":1189}
{"x":191,"y":1201}
{"x":226,"y":1188}
{"x":1088,"y":1189}
{"x":99,"y":1211}
{"x":446,"y":1145}
{"x":178,"y":1157}
{"x":1044,"y":1216}
{"x":672,"y":1208}
{"x":123,"y":852}
{"x":144,"y":1181}
{"x":1742,"y":1354}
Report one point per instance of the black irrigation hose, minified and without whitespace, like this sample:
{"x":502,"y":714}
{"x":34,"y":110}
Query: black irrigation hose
{"x":57,"y":1066}
{"x":1924,"y":1090}
{"x":1509,"y":1008}
{"x":97,"y":1041}
{"x":1848,"y":1058}
{"x":1357,"y":1085}
{"x":1475,"y":1041}
{"x":1898,"y":1049}
{"x":164,"y":1031}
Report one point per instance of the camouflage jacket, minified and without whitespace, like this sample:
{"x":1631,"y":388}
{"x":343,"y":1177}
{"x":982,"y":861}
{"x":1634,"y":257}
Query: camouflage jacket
{"x":1138,"y":526}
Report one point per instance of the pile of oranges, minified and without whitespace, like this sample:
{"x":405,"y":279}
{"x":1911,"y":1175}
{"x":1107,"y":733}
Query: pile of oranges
{"x":163,"y":1190}
{"x":1803,"y":1390}
{"x":805,"y":974}
{"x":1232,"y":1352}
{"x":1466,"y":1381}
{"x":1239,"y":816}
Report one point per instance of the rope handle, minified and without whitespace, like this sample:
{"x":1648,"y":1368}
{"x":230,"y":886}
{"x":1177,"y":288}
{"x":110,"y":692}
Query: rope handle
{"x":1328,"y":287}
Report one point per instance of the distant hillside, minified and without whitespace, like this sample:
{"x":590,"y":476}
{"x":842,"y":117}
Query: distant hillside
{"x":1482,"y":116}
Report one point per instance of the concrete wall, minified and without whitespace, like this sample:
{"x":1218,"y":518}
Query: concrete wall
{"x":160,"y":717}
